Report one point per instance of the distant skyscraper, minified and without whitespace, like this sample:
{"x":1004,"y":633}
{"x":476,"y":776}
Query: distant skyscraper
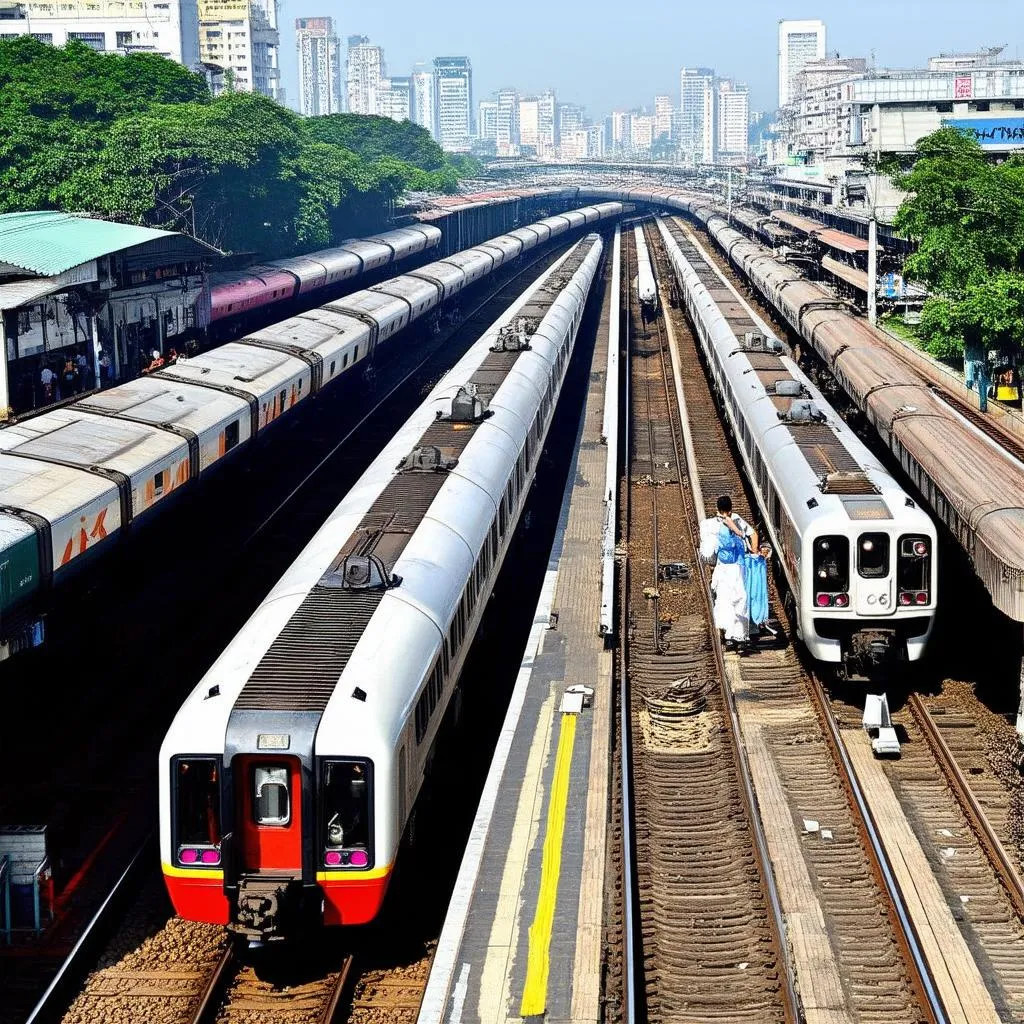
{"x":423,"y":99}
{"x":663,"y":114}
{"x":398,"y":99}
{"x":547,"y":124}
{"x":528,"y":115}
{"x":595,"y":140}
{"x":799,"y":42}
{"x":641,"y":132}
{"x":319,"y":66}
{"x":364,"y":76}
{"x":508,"y":122}
{"x":453,"y":101}
{"x":570,"y":119}
{"x":733,"y":119}
{"x":697,"y":115}
{"x":620,"y":129}
{"x":487,"y":120}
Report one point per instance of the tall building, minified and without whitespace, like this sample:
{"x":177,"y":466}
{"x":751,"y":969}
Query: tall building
{"x":571,"y":119}
{"x":620,"y":130}
{"x":166,"y":27}
{"x":733,"y":120}
{"x":364,"y":76}
{"x":453,"y":102}
{"x":396,"y":98}
{"x":319,"y":66}
{"x":241,"y":37}
{"x":423,"y":99}
{"x":663,"y":114}
{"x":799,"y":42}
{"x":487,"y":120}
{"x":697,"y":115}
{"x":508,"y":123}
{"x":547,"y":124}
{"x":528,"y":119}
{"x":595,"y":140}
{"x":641,"y":133}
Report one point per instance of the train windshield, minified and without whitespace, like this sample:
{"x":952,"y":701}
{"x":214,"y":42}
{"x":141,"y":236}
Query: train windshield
{"x":345,"y":813}
{"x":271,"y":799}
{"x":873,"y":555}
{"x":197,"y":802}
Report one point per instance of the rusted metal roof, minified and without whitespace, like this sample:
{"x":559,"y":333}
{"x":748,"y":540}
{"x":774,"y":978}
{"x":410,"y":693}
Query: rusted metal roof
{"x":46,"y":243}
{"x":857,"y":278}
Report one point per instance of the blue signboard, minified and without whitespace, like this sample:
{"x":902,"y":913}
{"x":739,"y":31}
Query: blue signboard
{"x":991,"y":132}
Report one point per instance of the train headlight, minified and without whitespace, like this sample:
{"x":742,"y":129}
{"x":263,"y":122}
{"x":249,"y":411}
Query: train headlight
{"x":188,"y":856}
{"x":332,"y":858}
{"x":842,"y":600}
{"x":922,"y":598}
{"x":823,"y":600}
{"x":905,"y":599}
{"x":920,"y":548}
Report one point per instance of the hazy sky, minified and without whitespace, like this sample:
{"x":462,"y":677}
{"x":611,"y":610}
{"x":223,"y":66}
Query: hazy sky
{"x":609,"y":55}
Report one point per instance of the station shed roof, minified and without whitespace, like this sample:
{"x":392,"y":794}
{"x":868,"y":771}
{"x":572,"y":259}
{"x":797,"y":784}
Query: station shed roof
{"x":46,"y":243}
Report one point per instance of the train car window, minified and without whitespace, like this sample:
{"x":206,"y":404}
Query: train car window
{"x":422,"y":717}
{"x":299,"y":386}
{"x":453,"y":641}
{"x":344,"y":361}
{"x":231,"y":435}
{"x":331,"y":371}
{"x":873,"y":555}
{"x":271,"y":803}
{"x":494,"y":541}
{"x":345,"y":813}
{"x":158,"y":484}
{"x":197,"y":804}
{"x":355,"y":355}
{"x":446,"y":657}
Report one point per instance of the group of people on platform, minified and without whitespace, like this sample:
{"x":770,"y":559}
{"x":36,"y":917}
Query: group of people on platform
{"x":739,"y":582}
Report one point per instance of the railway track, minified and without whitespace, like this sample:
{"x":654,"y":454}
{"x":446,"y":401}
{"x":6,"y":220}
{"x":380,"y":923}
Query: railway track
{"x":710,"y":940}
{"x":830,"y":881}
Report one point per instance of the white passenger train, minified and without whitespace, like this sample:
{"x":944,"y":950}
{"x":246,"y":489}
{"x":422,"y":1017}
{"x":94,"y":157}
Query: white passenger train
{"x":857,"y":551}
{"x":288,"y":777}
{"x":73,"y":480}
{"x":646,"y":286}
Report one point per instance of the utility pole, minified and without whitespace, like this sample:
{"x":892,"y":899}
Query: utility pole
{"x":872,"y":268}
{"x":728,"y":201}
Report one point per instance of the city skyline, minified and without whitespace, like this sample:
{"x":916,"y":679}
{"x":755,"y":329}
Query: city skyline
{"x":672,"y":38}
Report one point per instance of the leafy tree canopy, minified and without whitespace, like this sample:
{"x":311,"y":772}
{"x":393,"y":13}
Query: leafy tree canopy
{"x":139,"y":138}
{"x":967,"y":215}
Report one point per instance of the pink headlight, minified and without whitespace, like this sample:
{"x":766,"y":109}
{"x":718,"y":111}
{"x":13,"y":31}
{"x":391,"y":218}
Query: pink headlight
{"x":211,"y":856}
{"x":922,"y":597}
{"x":842,"y":600}
{"x":332,"y":858}
{"x":188,"y":856}
{"x":359,"y":859}
{"x":823,"y":600}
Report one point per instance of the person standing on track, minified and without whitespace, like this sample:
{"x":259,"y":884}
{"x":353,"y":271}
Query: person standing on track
{"x":735,"y":539}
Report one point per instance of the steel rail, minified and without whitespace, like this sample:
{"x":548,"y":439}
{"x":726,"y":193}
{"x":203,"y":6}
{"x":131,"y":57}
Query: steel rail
{"x":995,"y":852}
{"x":777,"y":918}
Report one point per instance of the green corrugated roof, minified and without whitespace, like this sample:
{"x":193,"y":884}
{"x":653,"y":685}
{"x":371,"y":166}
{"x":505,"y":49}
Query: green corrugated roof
{"x":46,"y":243}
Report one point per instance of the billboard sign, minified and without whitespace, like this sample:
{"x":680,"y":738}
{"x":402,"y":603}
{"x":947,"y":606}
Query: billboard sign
{"x":992,"y":132}
{"x":963,"y":87}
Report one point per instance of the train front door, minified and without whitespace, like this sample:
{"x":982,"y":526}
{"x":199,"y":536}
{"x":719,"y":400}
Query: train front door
{"x":269,"y":814}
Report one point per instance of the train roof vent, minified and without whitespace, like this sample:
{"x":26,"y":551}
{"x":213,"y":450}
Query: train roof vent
{"x":359,"y":572}
{"x":790,"y":389}
{"x":847,"y":483}
{"x":755,"y":341}
{"x":515,"y":336}
{"x":426,"y":459}
{"x":802,"y":410}
{"x":467,"y":406}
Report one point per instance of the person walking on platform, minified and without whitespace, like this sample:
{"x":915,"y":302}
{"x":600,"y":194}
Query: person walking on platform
{"x":736,"y":538}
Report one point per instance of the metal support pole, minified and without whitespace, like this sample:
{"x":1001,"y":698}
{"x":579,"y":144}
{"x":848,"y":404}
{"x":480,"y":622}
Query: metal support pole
{"x":96,"y":381}
{"x":872,"y":269}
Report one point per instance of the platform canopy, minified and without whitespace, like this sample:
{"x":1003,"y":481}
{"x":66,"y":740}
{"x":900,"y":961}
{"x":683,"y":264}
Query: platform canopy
{"x":45,"y":243}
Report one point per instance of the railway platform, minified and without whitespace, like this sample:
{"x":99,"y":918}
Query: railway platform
{"x":523,"y":935}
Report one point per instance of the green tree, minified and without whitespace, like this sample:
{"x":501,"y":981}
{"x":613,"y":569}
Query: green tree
{"x":967,"y":215}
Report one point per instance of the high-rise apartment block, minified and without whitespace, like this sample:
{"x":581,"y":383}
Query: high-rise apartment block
{"x":663,"y":114}
{"x":319,"y":56}
{"x":570,"y":119}
{"x":241,"y":37}
{"x":508,"y":123}
{"x":166,"y":27}
{"x":547,"y":124}
{"x":364,"y":76}
{"x":487,"y":121}
{"x":697,"y":115}
{"x":733,"y":120}
{"x":528,"y":114}
{"x":396,"y":98}
{"x":422,"y":81}
{"x":799,"y":42}
{"x":641,"y":132}
{"x":453,"y":103}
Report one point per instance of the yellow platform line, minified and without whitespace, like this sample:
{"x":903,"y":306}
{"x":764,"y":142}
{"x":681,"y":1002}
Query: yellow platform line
{"x":538,"y":963}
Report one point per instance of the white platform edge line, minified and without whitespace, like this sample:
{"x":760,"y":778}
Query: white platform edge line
{"x":610,"y":432}
{"x":442,"y":971}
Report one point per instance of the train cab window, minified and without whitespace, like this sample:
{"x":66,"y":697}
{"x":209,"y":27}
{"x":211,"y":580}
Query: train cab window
{"x":158,"y":484}
{"x":231,"y":435}
{"x":873,"y":555}
{"x":345,"y":813}
{"x":271,"y":798}
{"x":197,"y":808}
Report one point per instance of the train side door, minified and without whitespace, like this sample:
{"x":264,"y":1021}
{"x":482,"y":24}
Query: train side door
{"x":269,"y":814}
